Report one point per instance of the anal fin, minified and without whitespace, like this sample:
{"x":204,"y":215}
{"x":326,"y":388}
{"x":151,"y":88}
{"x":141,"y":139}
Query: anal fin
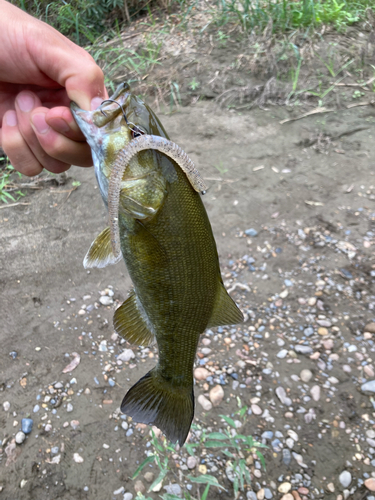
{"x":100,"y":253}
{"x":131,"y":322}
{"x":225,"y":310}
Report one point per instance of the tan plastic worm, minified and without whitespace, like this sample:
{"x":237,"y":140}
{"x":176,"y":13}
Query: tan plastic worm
{"x":122,"y":161}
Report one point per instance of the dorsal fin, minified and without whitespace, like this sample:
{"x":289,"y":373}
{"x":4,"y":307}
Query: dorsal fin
{"x":225,"y":310}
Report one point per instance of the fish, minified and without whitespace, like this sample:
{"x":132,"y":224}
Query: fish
{"x":169,"y":249}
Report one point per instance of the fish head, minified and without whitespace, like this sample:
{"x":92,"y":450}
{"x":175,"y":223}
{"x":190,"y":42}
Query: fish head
{"x":110,"y":127}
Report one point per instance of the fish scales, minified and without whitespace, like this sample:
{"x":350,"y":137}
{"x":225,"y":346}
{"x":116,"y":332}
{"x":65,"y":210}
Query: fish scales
{"x":170,"y":252}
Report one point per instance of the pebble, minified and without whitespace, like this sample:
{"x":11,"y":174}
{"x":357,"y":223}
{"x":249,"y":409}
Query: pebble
{"x":128,"y":496}
{"x":345,"y":478}
{"x":288,"y":496}
{"x":331,"y":487}
{"x":281,"y":394}
{"x":303,"y":349}
{"x":201,"y":373}
{"x":27,"y":425}
{"x":216,"y":395}
{"x":149,"y":477}
{"x":256,"y":410}
{"x":260,"y":494}
{"x":306,"y":375}
{"x":370,"y":484}
{"x":204,"y":402}
{"x":191,"y":462}
{"x":282,"y":354}
{"x":368,"y":386}
{"x":251,"y":495}
{"x":105,"y":300}
{"x":315,"y":392}
{"x":6,"y":405}
{"x":20,"y":437}
{"x":69,"y":407}
{"x":139,"y":487}
{"x":126,"y":355}
{"x":323,"y":331}
{"x":173,"y":489}
{"x":370,"y":327}
{"x":284,"y":487}
{"x":251,"y":232}
{"x":77,"y":458}
{"x":119,"y":491}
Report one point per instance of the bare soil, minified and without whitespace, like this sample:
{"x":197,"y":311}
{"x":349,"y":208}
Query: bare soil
{"x":305,"y":186}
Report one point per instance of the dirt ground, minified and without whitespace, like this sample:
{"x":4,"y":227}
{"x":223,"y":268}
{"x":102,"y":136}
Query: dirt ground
{"x":308,"y":188}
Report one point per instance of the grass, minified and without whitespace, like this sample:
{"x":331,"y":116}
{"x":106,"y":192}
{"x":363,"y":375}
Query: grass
{"x":6,"y":185}
{"x":236,"y":447}
{"x":286,"y":16}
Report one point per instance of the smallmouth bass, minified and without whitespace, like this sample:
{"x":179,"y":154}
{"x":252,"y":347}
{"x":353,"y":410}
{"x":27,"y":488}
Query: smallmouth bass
{"x":169,"y":250}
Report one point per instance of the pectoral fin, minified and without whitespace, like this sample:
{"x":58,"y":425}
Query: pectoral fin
{"x":100,"y":253}
{"x":225,"y":310}
{"x":131,"y":322}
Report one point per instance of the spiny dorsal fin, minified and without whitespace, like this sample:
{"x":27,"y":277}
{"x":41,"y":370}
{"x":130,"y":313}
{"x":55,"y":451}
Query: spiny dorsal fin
{"x":225,"y":310}
{"x":131,"y":322}
{"x":152,"y":400}
{"x":100,"y":253}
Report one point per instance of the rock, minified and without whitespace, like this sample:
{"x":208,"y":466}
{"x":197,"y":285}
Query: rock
{"x":126,"y":355}
{"x":288,"y":496}
{"x":216,"y":395}
{"x":201,"y":373}
{"x":303,"y":349}
{"x":74,"y":424}
{"x":77,"y":458}
{"x":281,"y":394}
{"x":369,"y":370}
{"x":315,"y":392}
{"x":69,"y":407}
{"x":370,"y":327}
{"x":345,"y":478}
{"x":149,"y":477}
{"x":296,"y":495}
{"x":303,"y":490}
{"x":331,"y":487}
{"x":284,"y":487}
{"x":119,"y":491}
{"x":323,"y":331}
{"x":139,"y":487}
{"x":282,"y":354}
{"x":260,"y":494}
{"x":251,"y":232}
{"x":256,"y":410}
{"x":20,"y":437}
{"x":27,"y":425}
{"x":368,"y":386}
{"x":306,"y":375}
{"x":173,"y":489}
{"x":105,"y":300}
{"x":205,"y":404}
{"x":370,"y":482}
{"x":191,"y":462}
{"x":128,"y":496}
{"x":251,"y":495}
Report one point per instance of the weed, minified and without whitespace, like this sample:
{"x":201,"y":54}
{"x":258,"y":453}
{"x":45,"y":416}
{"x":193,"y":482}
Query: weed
{"x":194,"y":84}
{"x":6,"y":184}
{"x":221,"y":168}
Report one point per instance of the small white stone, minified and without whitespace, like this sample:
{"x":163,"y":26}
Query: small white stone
{"x":315,"y":392}
{"x":205,"y":404}
{"x":119,"y":491}
{"x":345,"y":479}
{"x":284,"y":487}
{"x":306,"y":375}
{"x":77,"y":458}
{"x":6,"y":405}
{"x":256,"y":409}
{"x":20,"y":437}
{"x":105,"y":300}
{"x":216,"y":395}
{"x":201,"y":373}
{"x":191,"y":462}
{"x":126,"y":355}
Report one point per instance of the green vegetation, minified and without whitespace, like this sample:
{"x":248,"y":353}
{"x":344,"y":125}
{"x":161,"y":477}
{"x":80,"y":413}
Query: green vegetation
{"x":284,"y":16}
{"x":6,"y":186}
{"x":239,"y":450}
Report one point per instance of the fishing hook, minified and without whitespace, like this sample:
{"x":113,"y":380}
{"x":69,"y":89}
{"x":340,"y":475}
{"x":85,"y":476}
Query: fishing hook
{"x":134,"y":128}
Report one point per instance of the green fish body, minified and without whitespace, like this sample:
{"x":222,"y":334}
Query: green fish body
{"x":170,"y":252}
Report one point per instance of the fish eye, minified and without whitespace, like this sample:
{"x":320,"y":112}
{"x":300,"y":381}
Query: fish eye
{"x":136,"y":132}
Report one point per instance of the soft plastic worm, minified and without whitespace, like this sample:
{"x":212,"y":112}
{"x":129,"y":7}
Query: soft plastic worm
{"x":122,"y":161}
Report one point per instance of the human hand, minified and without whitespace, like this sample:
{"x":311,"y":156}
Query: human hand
{"x":41,"y":71}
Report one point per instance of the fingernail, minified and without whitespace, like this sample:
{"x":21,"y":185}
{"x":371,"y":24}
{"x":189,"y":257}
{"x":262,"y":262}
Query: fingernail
{"x":25,"y":102}
{"x":60,"y":125}
{"x":95,"y":103}
{"x":11,"y":118}
{"x":40,"y":124}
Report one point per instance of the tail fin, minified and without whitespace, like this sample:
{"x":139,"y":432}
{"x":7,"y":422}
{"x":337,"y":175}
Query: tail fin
{"x":153,"y":401}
